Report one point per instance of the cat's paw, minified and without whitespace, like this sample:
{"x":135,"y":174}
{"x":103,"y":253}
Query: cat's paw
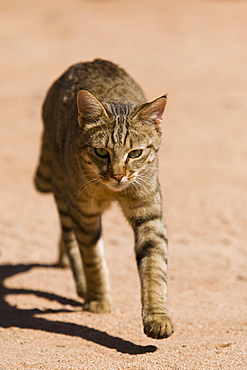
{"x":157,"y":326}
{"x":100,"y":306}
{"x":63,"y":261}
{"x":81,"y":290}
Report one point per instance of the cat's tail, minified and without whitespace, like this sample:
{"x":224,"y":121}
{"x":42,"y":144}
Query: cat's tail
{"x":42,"y":179}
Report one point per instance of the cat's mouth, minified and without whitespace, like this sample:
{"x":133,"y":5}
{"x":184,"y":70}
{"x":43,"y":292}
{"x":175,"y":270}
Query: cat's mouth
{"x":118,"y":184}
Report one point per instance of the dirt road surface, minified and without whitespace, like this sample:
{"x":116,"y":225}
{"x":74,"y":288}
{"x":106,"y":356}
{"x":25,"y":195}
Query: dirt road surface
{"x":196,"y":52}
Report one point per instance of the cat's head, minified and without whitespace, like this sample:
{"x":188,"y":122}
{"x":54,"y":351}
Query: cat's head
{"x":119,"y":142}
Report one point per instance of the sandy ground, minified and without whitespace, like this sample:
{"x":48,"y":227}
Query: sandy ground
{"x":196,"y":52}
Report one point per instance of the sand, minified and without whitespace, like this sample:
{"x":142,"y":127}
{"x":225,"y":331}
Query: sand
{"x":196,"y":52}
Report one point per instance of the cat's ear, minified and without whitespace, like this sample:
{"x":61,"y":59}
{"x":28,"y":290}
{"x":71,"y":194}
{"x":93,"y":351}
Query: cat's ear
{"x":89,"y":108}
{"x":152,"y":112}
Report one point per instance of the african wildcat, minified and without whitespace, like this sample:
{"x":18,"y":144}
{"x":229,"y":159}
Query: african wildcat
{"x":100,"y":144}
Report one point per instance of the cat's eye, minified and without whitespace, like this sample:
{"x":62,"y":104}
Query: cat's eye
{"x":101,"y":152}
{"x":135,"y":153}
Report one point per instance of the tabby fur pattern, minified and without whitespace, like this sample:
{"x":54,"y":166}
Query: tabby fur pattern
{"x":99,"y":145}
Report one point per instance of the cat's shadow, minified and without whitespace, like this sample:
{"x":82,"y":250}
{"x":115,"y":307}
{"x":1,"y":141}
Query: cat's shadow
{"x":26,"y":319}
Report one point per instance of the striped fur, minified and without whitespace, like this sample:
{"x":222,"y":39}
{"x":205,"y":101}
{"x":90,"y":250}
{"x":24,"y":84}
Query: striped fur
{"x":100,"y":144}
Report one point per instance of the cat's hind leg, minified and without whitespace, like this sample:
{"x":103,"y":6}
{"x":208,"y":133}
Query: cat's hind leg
{"x":74,"y":260}
{"x":42,"y":178}
{"x":69,"y":253}
{"x":63,"y":260}
{"x":87,"y":227}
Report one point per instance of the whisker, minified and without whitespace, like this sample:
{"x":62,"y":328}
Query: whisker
{"x":84,"y":188}
{"x":139,"y":182}
{"x":134,"y":185}
{"x":81,"y":184}
{"x":83,"y":173}
{"x":97,"y":189}
{"x":163,"y":167}
{"x":146,"y":179}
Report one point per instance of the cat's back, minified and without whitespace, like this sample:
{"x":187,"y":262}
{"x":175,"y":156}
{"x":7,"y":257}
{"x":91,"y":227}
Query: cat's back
{"x":105,"y":80}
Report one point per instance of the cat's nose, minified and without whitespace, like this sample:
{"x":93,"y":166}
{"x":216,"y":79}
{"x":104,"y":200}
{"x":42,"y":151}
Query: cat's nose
{"x":118,"y":178}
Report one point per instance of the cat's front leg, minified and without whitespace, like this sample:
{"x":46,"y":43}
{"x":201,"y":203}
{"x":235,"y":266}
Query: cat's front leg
{"x":145,"y":216}
{"x":151,"y":256}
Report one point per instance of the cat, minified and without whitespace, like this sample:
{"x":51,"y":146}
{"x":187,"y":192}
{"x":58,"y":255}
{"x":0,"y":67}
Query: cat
{"x":100,"y":144}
